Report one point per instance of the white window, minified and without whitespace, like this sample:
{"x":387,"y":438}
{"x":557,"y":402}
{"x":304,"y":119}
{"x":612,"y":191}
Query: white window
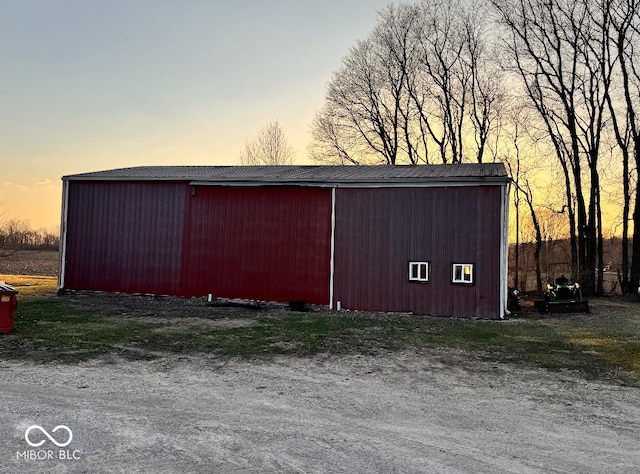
{"x":418,"y":271}
{"x":462,"y":273}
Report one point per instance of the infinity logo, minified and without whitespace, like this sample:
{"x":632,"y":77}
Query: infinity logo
{"x":44,"y":432}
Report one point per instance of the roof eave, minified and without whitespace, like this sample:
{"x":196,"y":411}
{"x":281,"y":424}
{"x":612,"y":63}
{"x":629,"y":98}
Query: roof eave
{"x":390,"y":182}
{"x":405,"y":182}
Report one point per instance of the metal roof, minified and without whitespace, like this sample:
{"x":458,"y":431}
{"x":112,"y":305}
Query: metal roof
{"x":381,"y":174}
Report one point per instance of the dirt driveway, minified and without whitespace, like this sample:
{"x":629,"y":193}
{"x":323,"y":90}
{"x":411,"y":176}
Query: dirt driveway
{"x":438,"y":411}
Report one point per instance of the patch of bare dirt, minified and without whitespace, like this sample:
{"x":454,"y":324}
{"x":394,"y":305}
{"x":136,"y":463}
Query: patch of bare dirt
{"x":437,"y":411}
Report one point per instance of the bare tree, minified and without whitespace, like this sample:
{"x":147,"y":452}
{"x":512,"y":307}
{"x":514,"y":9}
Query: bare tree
{"x":517,"y":147}
{"x":268,"y":147}
{"x":18,"y":235}
{"x":488,"y":94}
{"x":559,"y":50}
{"x":365,"y":117}
{"x":418,"y":85}
{"x":439,"y":91}
{"x":334,"y":140}
{"x":459,"y":84}
{"x":625,"y":110}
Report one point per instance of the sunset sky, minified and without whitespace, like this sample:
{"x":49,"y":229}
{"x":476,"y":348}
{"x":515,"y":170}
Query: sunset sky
{"x":90,"y":85}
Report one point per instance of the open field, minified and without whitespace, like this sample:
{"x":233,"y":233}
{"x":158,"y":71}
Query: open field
{"x":156,"y":384}
{"x":29,"y":262}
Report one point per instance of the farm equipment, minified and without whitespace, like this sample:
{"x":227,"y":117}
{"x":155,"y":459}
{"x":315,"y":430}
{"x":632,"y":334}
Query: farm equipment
{"x":562,"y":296}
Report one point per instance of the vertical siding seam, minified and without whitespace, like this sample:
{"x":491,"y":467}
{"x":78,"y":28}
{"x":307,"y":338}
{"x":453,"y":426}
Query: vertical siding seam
{"x":332,"y":246}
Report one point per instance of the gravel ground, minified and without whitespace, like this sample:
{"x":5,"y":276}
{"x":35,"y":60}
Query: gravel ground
{"x":434,"y":411}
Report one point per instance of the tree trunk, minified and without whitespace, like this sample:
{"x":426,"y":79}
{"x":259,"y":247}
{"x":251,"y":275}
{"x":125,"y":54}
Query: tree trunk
{"x":625,"y":224}
{"x":593,"y":265}
{"x":572,"y":221}
{"x":516,"y":278}
{"x":600,"y":248}
{"x":536,"y":256}
{"x":634,"y":278}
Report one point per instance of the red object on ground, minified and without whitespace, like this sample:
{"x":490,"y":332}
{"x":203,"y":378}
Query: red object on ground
{"x":8,"y":305}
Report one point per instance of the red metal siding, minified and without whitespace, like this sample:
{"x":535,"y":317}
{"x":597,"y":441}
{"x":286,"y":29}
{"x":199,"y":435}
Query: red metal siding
{"x":378,"y":231}
{"x":263,"y":243}
{"x":124,"y":236}
{"x":273,"y":243}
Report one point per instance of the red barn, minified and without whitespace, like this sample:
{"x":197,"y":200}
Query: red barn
{"x":431,"y":240}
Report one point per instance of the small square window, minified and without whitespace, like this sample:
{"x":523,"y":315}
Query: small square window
{"x":462,"y":273}
{"x":418,"y":271}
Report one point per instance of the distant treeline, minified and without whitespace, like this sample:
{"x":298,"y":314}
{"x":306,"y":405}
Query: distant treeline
{"x":555,"y":260}
{"x":19,"y":235}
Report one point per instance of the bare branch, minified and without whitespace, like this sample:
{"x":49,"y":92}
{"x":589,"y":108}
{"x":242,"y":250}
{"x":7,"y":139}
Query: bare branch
{"x":268,"y":147}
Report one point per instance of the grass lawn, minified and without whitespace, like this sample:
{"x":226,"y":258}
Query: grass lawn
{"x":604,"y":344}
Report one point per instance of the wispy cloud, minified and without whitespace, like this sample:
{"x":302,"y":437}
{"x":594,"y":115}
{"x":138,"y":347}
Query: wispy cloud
{"x":46,"y":184}
{"x":11,"y":184}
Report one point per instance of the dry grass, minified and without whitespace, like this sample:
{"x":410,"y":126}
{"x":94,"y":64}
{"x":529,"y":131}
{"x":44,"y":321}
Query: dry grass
{"x":604,"y":344}
{"x":31,"y":285}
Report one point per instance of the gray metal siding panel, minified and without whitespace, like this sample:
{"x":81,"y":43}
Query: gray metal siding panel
{"x":379,"y":231}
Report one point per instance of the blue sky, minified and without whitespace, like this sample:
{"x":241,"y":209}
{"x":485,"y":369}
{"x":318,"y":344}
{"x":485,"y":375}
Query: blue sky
{"x":89,"y":85}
